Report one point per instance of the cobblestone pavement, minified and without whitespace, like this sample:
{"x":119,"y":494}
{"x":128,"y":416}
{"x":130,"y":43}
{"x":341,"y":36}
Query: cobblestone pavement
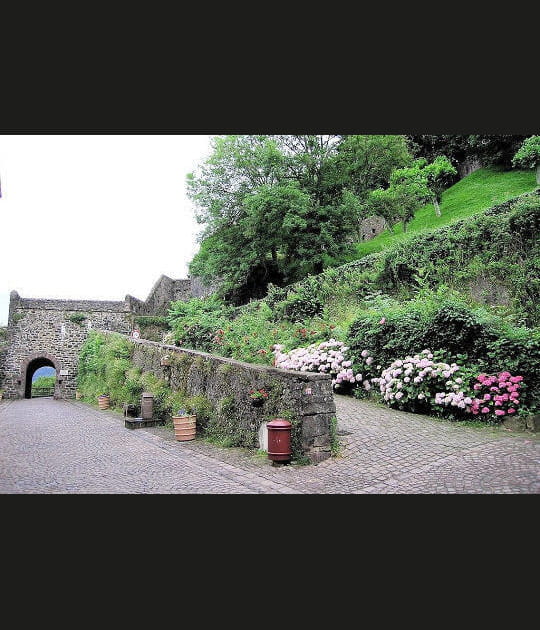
{"x":49,"y":446}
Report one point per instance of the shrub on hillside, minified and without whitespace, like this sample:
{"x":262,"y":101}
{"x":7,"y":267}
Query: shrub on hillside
{"x":497,"y":395}
{"x":327,"y":357}
{"x":423,"y":383}
{"x":440,"y":320}
{"x":300,"y":303}
{"x":195,"y":322}
{"x":517,"y":350}
{"x":503,"y":242}
{"x":444,"y":322}
{"x":459,"y":329}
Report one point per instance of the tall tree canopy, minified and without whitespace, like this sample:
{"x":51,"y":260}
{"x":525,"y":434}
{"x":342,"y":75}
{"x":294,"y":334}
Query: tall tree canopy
{"x":528,"y":155}
{"x":428,"y":180}
{"x":276,"y":208}
{"x":269,"y":207}
{"x":488,"y":149}
{"x":366,"y":162}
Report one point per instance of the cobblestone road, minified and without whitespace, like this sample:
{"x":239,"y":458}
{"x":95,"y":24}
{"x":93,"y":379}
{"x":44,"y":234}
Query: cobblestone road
{"x":49,"y":446}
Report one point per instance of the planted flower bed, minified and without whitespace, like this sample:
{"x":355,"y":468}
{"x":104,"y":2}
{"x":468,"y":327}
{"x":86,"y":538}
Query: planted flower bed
{"x":422,"y":383}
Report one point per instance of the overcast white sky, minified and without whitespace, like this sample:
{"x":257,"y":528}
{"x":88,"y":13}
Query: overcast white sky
{"x":95,"y":216}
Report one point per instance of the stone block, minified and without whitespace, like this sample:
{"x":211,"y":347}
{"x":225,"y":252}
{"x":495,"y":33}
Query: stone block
{"x":315,"y":425}
{"x":514,"y":423}
{"x":317,"y":456}
{"x":140,"y":423}
{"x":533,"y":423}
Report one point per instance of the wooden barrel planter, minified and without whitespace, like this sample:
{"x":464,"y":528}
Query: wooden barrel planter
{"x":104,"y":402}
{"x":184,"y":428}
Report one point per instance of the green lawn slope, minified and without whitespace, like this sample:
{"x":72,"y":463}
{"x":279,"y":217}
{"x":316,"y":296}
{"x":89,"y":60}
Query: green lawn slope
{"x":479,"y":191}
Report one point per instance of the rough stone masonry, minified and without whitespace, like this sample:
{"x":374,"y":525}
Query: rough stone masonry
{"x":51,"y":332}
{"x":225,"y":383}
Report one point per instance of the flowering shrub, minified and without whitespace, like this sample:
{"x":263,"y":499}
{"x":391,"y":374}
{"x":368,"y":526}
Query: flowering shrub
{"x":420,"y":381}
{"x":424,"y":383}
{"x":496,"y":395}
{"x":328,"y":357}
{"x":257,"y":394}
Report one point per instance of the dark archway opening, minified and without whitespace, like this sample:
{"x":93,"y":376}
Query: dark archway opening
{"x":32,"y":368}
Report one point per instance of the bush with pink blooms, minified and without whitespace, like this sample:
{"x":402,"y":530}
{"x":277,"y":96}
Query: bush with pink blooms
{"x":496,"y":395}
{"x":328,"y":357}
{"x":423,"y":382}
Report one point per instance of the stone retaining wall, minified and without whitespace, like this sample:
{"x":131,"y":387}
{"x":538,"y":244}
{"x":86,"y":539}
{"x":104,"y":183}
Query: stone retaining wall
{"x":304,"y":398}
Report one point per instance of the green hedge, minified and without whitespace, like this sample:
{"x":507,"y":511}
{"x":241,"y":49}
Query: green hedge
{"x":467,"y":334}
{"x":503,"y":242}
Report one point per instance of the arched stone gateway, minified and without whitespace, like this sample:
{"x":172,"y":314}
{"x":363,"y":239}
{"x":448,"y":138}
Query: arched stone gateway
{"x":33,"y":363}
{"x":51,"y":332}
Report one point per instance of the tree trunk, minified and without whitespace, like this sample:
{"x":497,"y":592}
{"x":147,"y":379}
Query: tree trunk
{"x":538,"y":173}
{"x":436,"y":206}
{"x":274,"y":256}
{"x":404,"y":227}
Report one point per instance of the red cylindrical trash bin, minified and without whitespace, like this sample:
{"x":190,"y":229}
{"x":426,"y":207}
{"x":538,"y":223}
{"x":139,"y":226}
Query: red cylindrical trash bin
{"x":279,"y":440}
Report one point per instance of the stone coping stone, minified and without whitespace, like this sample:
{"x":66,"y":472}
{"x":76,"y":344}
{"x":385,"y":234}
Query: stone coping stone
{"x":141,"y":423}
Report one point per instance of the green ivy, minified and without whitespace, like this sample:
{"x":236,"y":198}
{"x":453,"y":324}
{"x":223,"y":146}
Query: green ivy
{"x":77,"y":318}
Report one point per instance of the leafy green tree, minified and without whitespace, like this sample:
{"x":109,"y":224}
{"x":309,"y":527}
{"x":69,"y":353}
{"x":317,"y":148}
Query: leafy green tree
{"x":493,"y":149}
{"x":279,"y":226}
{"x":408,"y":197}
{"x":271,"y":210}
{"x":459,"y":149}
{"x":238,"y":166}
{"x":311,"y":161}
{"x":43,"y":382}
{"x":428,"y":180}
{"x":439,"y":176}
{"x":366,"y":162}
{"x":456,"y":147}
{"x":528,"y":155}
{"x":397,"y":203}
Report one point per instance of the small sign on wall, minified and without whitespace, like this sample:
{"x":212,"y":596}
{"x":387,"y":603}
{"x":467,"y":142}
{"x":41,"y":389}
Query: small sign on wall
{"x":64,"y":372}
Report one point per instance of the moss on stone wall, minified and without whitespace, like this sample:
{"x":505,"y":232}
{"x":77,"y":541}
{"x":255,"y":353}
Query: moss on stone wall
{"x":215,"y":389}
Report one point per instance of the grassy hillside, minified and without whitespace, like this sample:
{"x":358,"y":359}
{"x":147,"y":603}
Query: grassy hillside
{"x":482,"y":189}
{"x":469,"y":290}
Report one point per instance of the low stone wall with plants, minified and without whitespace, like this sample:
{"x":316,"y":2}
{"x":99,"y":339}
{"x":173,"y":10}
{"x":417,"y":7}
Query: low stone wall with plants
{"x":217,"y":389}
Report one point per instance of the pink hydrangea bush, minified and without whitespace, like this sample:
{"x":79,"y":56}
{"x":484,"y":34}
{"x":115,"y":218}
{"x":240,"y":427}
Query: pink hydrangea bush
{"x":496,"y":395}
{"x":328,"y":357}
{"x":422,"y":381}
